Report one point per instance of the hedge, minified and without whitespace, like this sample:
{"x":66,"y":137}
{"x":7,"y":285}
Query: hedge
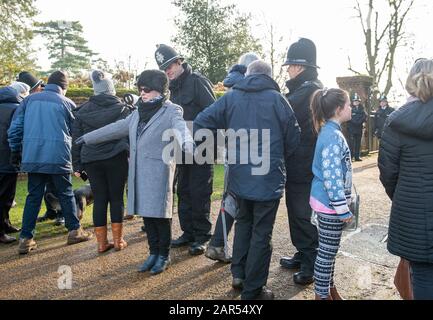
{"x":84,"y":93}
{"x":88,"y":92}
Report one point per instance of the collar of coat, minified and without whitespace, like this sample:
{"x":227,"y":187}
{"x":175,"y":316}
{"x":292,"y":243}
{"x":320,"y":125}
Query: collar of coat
{"x":309,"y":74}
{"x":53,"y":88}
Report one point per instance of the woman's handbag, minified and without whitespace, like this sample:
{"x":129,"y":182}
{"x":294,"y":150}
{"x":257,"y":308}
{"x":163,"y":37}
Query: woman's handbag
{"x":403,"y":281}
{"x":354,"y":208}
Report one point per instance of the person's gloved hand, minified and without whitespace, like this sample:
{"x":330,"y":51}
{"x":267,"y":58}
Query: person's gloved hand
{"x":15,"y":159}
{"x":80,"y":141}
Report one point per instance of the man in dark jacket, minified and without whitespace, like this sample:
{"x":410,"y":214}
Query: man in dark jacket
{"x":216,"y":249}
{"x":256,"y":107}
{"x":41,"y":133}
{"x":381,"y":116}
{"x":303,"y":82}
{"x":9,"y":102}
{"x":37,"y":85}
{"x":193,"y":92}
{"x":355,"y":127}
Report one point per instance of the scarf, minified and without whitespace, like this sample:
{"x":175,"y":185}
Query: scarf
{"x":148,"y":109}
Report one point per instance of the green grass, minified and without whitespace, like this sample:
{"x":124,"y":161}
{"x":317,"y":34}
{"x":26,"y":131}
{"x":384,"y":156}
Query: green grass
{"x":47,"y":229}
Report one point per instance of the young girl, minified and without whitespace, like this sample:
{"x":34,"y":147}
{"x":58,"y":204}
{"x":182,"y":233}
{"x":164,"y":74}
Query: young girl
{"x":332,"y":184}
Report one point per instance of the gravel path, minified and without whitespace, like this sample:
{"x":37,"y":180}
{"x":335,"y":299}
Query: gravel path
{"x":364,"y":268}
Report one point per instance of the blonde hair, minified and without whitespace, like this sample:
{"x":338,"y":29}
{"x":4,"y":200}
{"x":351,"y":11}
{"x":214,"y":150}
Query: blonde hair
{"x":420,"y":80}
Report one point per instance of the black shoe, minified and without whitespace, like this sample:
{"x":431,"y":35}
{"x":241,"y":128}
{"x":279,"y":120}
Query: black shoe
{"x":49,"y":215}
{"x":303,"y":278}
{"x":266,"y":294}
{"x":238,"y":284}
{"x":148,"y":264}
{"x":4,"y":238}
{"x":291,"y":263}
{"x":197,"y":249}
{"x":182,"y":241}
{"x":358,"y":160}
{"x":11,"y":229}
{"x":160,"y":266}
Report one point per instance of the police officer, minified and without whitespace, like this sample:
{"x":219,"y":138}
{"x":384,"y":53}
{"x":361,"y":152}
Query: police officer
{"x":381,"y":115}
{"x":193,"y":92}
{"x":355,"y":127}
{"x":36,"y":85}
{"x":303,"y":83}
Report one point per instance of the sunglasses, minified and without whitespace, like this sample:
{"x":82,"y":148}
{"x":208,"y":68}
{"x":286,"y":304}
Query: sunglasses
{"x":145,"y":90}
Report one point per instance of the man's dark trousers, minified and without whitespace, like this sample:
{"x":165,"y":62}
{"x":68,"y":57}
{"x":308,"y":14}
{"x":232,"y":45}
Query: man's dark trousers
{"x":36,"y":188}
{"x":303,"y":234}
{"x":355,"y":145}
{"x":8,"y":183}
{"x":194,"y":190}
{"x":252,"y":248}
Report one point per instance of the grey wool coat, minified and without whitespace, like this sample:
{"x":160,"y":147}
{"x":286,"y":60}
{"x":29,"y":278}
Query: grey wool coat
{"x":150,"y":180}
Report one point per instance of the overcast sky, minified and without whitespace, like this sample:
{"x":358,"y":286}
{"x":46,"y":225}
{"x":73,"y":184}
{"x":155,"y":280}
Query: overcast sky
{"x":117,"y":29}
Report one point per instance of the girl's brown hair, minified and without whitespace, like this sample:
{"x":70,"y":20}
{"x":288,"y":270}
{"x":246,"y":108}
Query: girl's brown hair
{"x":325,"y":103}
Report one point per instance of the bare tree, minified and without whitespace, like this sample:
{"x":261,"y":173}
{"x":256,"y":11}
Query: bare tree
{"x":275,"y":51}
{"x":383,"y":36}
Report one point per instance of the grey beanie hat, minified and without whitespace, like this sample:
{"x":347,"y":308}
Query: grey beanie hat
{"x":23,"y":89}
{"x":248,"y":58}
{"x":102,"y":84}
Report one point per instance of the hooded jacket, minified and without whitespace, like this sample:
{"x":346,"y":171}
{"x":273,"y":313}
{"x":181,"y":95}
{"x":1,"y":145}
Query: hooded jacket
{"x":41,"y":130}
{"x":236,"y":74}
{"x":406,"y":172}
{"x":9,"y":102}
{"x":255,"y":103}
{"x":96,"y":113}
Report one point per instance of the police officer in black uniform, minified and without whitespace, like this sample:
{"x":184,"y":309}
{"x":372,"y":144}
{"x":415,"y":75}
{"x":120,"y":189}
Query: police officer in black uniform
{"x":193,"y":92}
{"x":303,"y":83}
{"x":381,"y":115}
{"x":355,"y":127}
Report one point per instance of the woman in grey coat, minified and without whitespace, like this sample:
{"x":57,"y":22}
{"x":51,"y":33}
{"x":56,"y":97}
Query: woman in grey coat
{"x":151,"y":167}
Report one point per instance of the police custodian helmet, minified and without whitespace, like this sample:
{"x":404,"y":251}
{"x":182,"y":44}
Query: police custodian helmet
{"x":165,"y":56}
{"x":302,"y":53}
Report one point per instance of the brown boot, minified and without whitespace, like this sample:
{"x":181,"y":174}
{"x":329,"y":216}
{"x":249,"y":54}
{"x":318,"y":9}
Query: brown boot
{"x":319,"y":298}
{"x":335,"y":295}
{"x":101,"y":237}
{"x":119,"y":243}
{"x":26,"y":245}
{"x":78,"y":236}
